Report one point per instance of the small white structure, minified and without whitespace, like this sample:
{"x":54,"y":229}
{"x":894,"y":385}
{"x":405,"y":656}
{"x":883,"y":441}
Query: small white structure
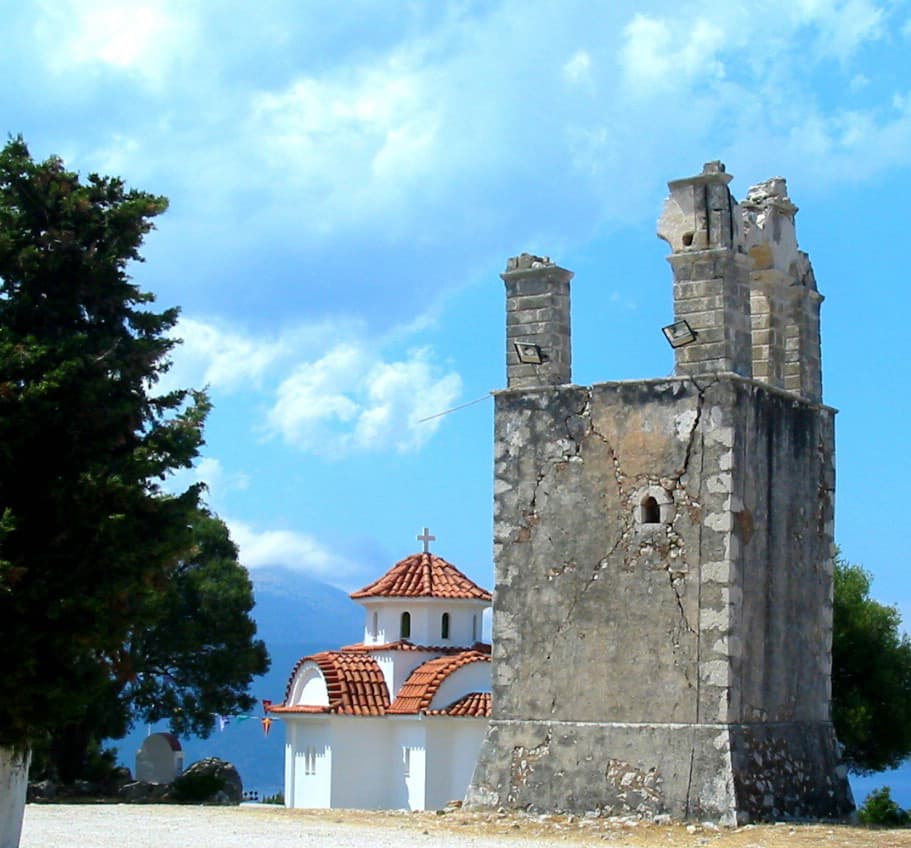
{"x":395,"y":722}
{"x":159,"y":759}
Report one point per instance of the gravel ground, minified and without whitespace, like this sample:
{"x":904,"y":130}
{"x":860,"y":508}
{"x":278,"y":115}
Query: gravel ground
{"x":259,"y":826}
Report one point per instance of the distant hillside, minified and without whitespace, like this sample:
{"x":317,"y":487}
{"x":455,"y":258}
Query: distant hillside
{"x":295,"y":615}
{"x":292,"y":608}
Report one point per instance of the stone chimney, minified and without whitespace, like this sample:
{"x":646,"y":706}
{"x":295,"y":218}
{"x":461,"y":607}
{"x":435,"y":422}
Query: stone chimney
{"x":702,"y":223}
{"x":783,"y":296}
{"x":537,"y":322}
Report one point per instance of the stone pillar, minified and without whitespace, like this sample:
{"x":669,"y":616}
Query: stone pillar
{"x":784,"y":299}
{"x":14,"y":765}
{"x":537,"y":322}
{"x":803,"y":367}
{"x":701,"y":222}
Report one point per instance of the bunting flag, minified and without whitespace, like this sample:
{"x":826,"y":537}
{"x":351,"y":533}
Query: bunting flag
{"x":267,"y":725}
{"x":223,"y":721}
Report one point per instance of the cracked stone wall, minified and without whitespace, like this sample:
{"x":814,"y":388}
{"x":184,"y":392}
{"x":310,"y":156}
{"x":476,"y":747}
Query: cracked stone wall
{"x":663,"y":554}
{"x":574,"y":559}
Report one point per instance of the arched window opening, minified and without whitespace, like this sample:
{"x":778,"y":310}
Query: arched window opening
{"x":444,"y":626}
{"x":405,"y":630}
{"x":474,"y":628}
{"x":375,"y":630}
{"x":650,"y":512}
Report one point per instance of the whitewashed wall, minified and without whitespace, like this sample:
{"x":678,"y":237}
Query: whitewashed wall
{"x":465,"y":621}
{"x":364,"y":775}
{"x":303,"y":789}
{"x":453,"y":745}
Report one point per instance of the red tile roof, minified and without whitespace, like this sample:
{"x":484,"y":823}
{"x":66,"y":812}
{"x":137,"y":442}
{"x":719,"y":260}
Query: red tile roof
{"x":418,"y":690}
{"x":423,"y":575}
{"x":472,"y":705}
{"x":354,"y":681}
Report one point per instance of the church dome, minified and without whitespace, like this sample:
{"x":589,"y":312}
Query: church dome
{"x":423,"y":575}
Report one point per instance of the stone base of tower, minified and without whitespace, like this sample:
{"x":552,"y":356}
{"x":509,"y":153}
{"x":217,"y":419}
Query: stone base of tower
{"x":732,"y":774}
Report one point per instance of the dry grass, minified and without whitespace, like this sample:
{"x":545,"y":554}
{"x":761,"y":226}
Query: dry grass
{"x":595,"y":831}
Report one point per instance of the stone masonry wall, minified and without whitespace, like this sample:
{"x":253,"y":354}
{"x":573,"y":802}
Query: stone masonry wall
{"x":572,"y":560}
{"x":629,"y":654}
{"x":782,"y":515}
{"x":663,"y":548}
{"x":537,"y":322}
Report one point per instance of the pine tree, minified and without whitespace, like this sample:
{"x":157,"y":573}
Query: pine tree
{"x":871,"y":675}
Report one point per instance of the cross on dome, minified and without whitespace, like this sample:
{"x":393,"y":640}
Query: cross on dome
{"x":426,"y":538}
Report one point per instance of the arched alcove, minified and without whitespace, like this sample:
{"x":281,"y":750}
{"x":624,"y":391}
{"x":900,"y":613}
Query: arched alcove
{"x":649,"y":511}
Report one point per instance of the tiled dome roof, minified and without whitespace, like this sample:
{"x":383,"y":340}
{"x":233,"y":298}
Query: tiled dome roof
{"x":356,"y":686}
{"x":472,"y":705}
{"x":354,"y":682}
{"x":418,"y":690}
{"x":423,"y":575}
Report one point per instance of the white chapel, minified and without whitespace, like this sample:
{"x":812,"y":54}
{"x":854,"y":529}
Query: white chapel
{"x":395,"y":722}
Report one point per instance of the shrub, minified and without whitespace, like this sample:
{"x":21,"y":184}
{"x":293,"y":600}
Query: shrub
{"x":880,"y":810}
{"x":196,"y":788}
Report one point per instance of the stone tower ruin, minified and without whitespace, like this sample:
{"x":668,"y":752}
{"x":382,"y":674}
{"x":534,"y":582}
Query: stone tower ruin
{"x":664,"y":547}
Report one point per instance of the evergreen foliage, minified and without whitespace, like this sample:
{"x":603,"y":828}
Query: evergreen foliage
{"x":87,"y":534}
{"x":881,"y":810}
{"x":116,"y":597}
{"x":871,"y":675}
{"x":200,"y":655}
{"x":192,"y":656}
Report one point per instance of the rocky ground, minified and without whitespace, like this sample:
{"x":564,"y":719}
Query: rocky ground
{"x":259,"y":826}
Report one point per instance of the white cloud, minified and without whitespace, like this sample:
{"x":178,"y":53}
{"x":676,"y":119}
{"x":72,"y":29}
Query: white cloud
{"x":142,"y":37}
{"x":326,"y":388}
{"x":353,"y":139}
{"x":445,"y":133}
{"x":845,"y":26}
{"x":578,"y":68}
{"x":290,"y":549}
{"x":229,"y":358}
{"x":659,"y":55}
{"x":856,"y":143}
{"x":213,"y":354}
{"x":349,"y":400}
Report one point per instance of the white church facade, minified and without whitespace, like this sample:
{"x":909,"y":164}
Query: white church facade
{"x":394,"y":722}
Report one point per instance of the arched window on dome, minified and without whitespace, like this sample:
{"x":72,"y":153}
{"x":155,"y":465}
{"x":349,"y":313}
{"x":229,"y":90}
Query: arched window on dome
{"x":405,"y":629}
{"x":444,"y":626}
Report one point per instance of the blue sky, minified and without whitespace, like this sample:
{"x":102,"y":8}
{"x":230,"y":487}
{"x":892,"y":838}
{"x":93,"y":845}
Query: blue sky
{"x":348,"y":179}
